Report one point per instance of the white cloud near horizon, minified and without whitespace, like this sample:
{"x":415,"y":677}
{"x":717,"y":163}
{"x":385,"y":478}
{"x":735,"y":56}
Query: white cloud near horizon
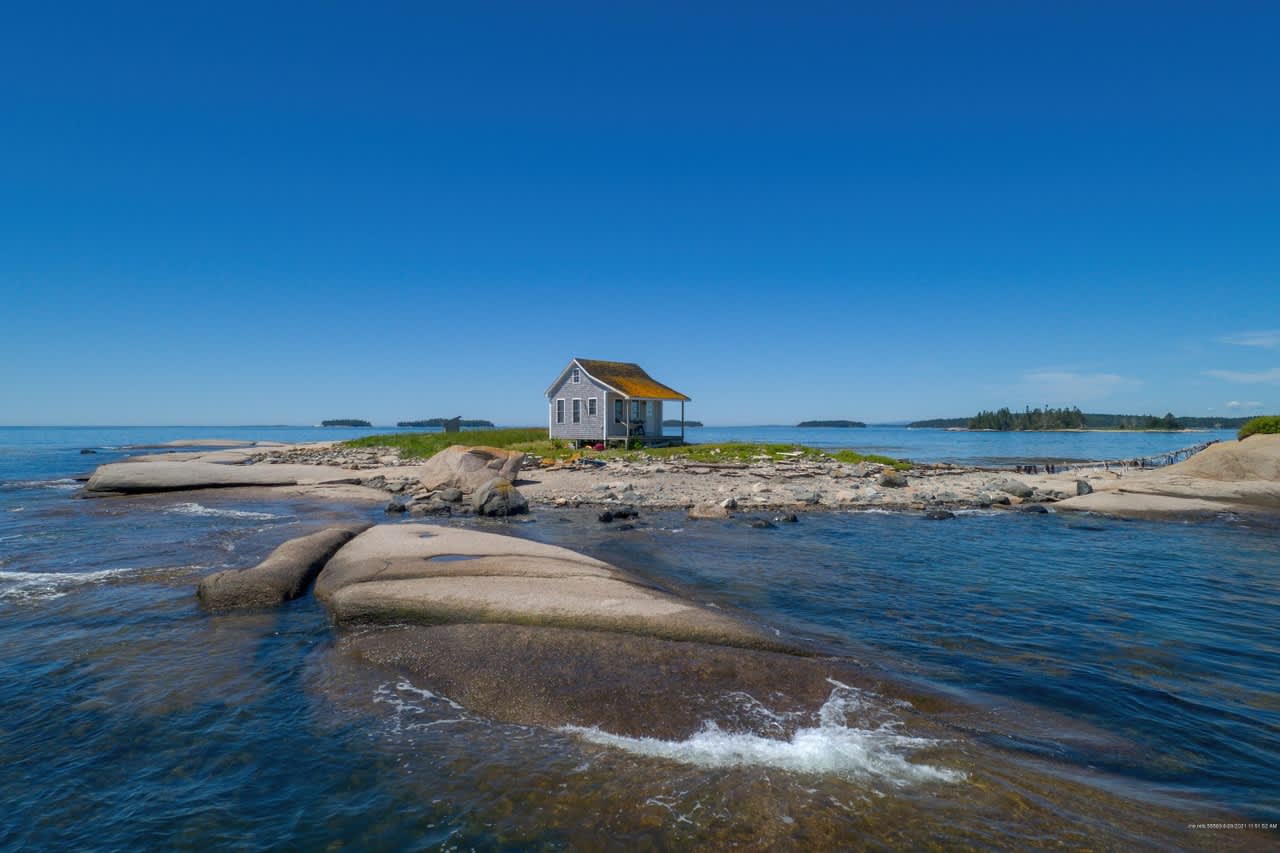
{"x":1267,"y":340}
{"x":1236,"y":404}
{"x":1067,"y":387}
{"x":1272,"y":375}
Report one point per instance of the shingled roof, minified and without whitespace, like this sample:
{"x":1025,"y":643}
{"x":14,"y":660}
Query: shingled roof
{"x":629,"y":379}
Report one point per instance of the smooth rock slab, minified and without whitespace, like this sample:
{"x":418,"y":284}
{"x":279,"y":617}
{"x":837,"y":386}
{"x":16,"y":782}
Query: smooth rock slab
{"x":417,"y":573}
{"x":159,"y":476}
{"x":283,"y":576}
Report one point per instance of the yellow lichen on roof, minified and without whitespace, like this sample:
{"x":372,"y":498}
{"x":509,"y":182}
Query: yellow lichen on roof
{"x":630,"y":379}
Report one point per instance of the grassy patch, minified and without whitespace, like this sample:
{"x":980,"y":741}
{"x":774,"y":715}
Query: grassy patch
{"x":424,"y":445}
{"x":854,"y":457}
{"x":1265,"y":425}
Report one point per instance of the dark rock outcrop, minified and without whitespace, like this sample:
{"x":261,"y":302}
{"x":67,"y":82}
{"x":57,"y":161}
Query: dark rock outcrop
{"x":498,"y":498}
{"x":283,"y":576}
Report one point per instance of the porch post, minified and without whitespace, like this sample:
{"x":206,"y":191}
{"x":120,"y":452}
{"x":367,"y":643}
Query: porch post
{"x":682,"y":421}
{"x":626,"y":414}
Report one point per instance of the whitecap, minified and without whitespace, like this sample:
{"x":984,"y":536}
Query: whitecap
{"x":38,"y":586}
{"x":62,"y":483}
{"x":418,"y":708}
{"x":832,"y":746}
{"x":211,"y":512}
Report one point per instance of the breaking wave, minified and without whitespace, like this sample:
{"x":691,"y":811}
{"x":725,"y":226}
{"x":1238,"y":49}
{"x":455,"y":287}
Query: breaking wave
{"x":831,"y":746}
{"x":62,"y":483}
{"x":211,"y":512}
{"x":39,"y":586}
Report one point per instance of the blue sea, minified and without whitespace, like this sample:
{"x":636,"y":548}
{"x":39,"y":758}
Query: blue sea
{"x":1076,"y":681}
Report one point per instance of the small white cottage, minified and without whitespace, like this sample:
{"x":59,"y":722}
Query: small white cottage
{"x":602,"y":401}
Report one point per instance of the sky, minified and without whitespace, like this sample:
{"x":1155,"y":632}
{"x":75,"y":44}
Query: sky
{"x":241,"y":213}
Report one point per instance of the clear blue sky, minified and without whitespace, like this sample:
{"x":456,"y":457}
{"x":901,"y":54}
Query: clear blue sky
{"x":261,"y":213}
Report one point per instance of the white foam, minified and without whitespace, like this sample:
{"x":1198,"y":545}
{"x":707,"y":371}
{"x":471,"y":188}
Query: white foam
{"x":211,"y":512}
{"x":60,"y":483}
{"x":831,"y":746}
{"x":417,"y":707}
{"x":38,"y":586}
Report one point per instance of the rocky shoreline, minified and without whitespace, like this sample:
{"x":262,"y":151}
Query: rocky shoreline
{"x":1231,"y":476}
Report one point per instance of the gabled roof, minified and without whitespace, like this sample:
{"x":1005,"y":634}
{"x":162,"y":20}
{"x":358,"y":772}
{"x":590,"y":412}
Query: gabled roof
{"x":626,"y":378}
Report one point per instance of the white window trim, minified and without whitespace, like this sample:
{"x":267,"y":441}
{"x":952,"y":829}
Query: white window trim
{"x":560,"y":410}
{"x":592,"y":409}
{"x":575,"y":375}
{"x":575,"y":411}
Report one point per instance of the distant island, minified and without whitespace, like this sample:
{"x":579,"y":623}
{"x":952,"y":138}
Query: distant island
{"x":676,"y":422}
{"x":1004,"y":420}
{"x":345,"y":422}
{"x":830,"y":424}
{"x":439,"y":422}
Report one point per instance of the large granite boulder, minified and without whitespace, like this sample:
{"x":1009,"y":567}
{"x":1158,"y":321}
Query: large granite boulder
{"x":283,"y":576}
{"x":498,"y":498}
{"x":424,"y":574}
{"x":469,"y":468}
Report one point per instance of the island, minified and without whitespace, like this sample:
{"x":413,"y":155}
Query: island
{"x":440,"y":422}
{"x":1004,"y":420}
{"x":675,"y":422}
{"x":345,"y":422}
{"x":830,"y":424}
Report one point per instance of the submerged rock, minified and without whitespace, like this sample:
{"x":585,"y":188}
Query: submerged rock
{"x":283,"y":576}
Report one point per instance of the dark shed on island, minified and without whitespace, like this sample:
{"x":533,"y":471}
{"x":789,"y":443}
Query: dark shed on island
{"x":602,"y":401}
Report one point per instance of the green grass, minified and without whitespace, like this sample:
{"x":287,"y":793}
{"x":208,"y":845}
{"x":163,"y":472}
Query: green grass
{"x":424,"y":445}
{"x":1265,"y":425}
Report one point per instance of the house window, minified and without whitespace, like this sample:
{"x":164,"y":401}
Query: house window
{"x":637,"y":410}
{"x":617,"y":411}
{"x":591,"y":407}
{"x":577,"y":375}
{"x":559,"y":411}
{"x":577,"y":410}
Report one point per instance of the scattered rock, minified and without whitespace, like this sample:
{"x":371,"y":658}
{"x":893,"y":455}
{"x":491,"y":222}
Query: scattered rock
{"x":431,"y":506}
{"x":762,"y":524}
{"x":1034,"y":509}
{"x":729,"y":503}
{"x":939,"y":514}
{"x":1083,"y":487}
{"x":499,"y":498}
{"x":806,"y":496}
{"x":988,"y":499}
{"x":87,"y":451}
{"x":786,"y":518}
{"x":396,"y":507}
{"x":283,"y":576}
{"x":449,"y":494}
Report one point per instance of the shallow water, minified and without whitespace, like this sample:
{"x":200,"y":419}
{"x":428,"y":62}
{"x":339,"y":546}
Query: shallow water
{"x":1030,"y":680}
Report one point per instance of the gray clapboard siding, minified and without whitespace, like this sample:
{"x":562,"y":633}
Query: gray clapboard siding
{"x":591,"y":426}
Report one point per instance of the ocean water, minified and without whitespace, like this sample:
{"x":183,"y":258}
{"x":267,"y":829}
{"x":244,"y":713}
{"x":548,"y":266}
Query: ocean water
{"x":1031,"y":681}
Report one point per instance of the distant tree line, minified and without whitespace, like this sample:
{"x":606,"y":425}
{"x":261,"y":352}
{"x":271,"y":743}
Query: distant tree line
{"x":1092,"y":420}
{"x":829,"y":424}
{"x":345,"y":422}
{"x":439,"y":422}
{"x":1064,"y":418}
{"x":674,"y":422}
